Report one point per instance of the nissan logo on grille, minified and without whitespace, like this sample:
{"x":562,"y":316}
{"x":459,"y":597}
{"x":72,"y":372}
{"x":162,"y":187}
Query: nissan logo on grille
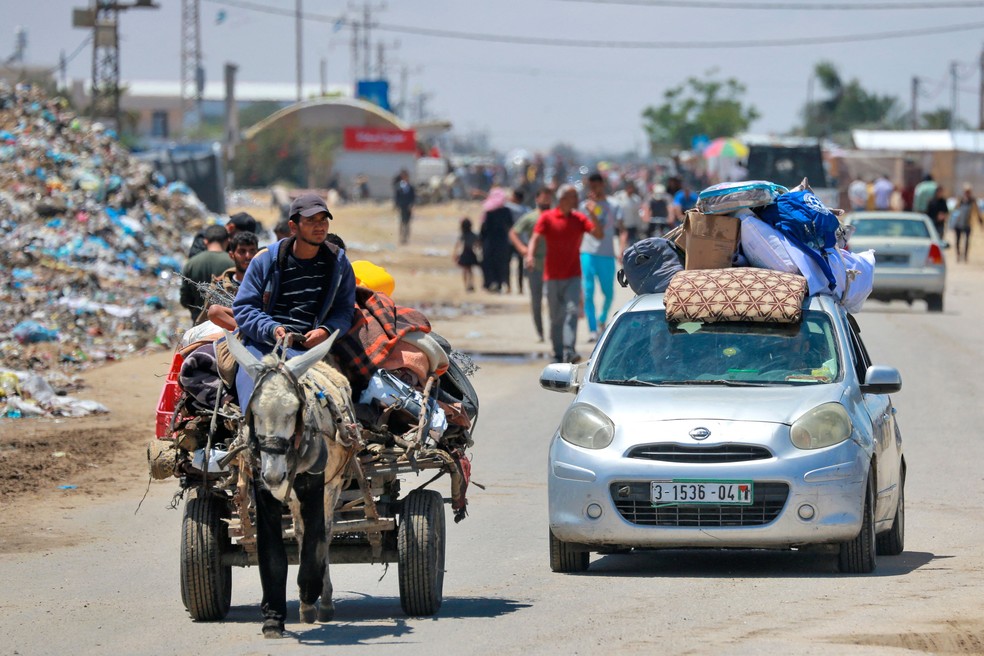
{"x":700,"y":433}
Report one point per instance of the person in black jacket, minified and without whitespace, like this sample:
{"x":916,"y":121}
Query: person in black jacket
{"x":404,"y":198}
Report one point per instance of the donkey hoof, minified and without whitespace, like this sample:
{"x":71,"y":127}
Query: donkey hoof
{"x":327,"y":612}
{"x":273,"y":629}
{"x":308,"y":613}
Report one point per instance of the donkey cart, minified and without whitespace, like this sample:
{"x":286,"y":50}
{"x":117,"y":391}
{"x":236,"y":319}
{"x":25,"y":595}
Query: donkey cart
{"x":377,"y":518}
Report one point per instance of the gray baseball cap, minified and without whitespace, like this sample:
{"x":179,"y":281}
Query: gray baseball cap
{"x":308,"y":205}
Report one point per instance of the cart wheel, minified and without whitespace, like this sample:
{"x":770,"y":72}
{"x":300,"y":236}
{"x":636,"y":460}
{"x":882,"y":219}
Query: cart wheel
{"x":206,"y":584}
{"x":421,"y":547}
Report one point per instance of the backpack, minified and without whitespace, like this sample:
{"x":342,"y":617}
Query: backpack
{"x":807,"y":223}
{"x":649,"y":265}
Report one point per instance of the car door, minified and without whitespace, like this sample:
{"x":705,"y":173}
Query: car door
{"x":882,"y":416}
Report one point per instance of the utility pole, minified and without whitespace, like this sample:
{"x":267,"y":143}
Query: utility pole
{"x":366,"y":24}
{"x":299,"y":34}
{"x":324,"y":76}
{"x":404,"y":73}
{"x":914,"y":112}
{"x":192,"y":72}
{"x":355,"y":56}
{"x":231,"y":115}
{"x":980,"y":107}
{"x":953,"y":95}
{"x":102,"y":17}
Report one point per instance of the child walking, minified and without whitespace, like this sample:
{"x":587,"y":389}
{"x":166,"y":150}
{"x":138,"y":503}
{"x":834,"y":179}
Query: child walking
{"x":464,"y":253}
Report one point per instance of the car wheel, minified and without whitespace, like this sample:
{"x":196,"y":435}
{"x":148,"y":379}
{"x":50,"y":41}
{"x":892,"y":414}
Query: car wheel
{"x":934,"y":302}
{"x":892,"y":543}
{"x":564,"y":559}
{"x":857,"y":556}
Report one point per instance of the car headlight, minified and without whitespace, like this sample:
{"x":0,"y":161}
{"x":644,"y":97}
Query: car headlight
{"x":825,"y":425}
{"x":587,"y":426}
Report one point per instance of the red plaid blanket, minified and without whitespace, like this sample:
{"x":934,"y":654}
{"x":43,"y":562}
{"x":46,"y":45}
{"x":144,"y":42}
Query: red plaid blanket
{"x":377,"y":326}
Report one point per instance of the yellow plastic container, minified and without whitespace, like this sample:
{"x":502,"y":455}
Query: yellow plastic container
{"x":374,"y":277}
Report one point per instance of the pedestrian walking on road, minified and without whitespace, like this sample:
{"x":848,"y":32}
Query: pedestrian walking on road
{"x":520,"y":235}
{"x":966,"y":212}
{"x":517,"y":208}
{"x":630,"y":207}
{"x":464,"y":253}
{"x":939,"y":211}
{"x":496,"y":249}
{"x":404,"y":197}
{"x":598,"y":255}
{"x":883,"y":190}
{"x":562,"y":228}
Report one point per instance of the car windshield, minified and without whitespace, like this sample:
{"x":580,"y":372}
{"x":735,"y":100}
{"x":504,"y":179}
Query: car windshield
{"x":890,"y":228}
{"x":643,"y":350}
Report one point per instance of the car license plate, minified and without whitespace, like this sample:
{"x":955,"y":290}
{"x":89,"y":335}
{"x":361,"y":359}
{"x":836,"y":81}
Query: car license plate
{"x":691,"y":492}
{"x":891,"y":258}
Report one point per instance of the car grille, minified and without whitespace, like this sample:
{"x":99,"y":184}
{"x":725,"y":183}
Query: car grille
{"x":634,"y":504}
{"x":700,"y":454}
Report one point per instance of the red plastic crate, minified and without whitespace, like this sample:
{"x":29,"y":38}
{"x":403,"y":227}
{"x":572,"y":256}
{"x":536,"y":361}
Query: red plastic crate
{"x":169,"y":396}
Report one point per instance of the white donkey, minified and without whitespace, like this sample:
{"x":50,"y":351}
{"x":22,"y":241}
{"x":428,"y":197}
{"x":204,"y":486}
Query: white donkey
{"x":302,"y":424}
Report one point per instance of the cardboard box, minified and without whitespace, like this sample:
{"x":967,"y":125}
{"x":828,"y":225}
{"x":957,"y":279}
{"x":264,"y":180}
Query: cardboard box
{"x":710,"y":240}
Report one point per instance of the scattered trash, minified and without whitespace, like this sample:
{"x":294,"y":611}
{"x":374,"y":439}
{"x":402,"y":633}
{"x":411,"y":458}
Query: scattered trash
{"x":92,"y":239}
{"x":68,"y":487}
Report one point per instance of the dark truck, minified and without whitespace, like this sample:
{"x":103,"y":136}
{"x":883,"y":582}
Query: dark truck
{"x":787,"y":162}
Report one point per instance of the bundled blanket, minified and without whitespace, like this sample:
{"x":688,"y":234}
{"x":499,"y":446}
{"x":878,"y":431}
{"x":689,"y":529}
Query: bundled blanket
{"x":377,"y":327}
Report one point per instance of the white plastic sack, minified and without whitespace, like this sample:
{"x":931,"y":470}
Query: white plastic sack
{"x":767,"y":248}
{"x":203,"y":331}
{"x":861,"y":273}
{"x":764,"y":246}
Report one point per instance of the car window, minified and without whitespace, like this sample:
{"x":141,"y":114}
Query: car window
{"x":860,"y":357}
{"x":890,"y":228}
{"x":643,"y":348}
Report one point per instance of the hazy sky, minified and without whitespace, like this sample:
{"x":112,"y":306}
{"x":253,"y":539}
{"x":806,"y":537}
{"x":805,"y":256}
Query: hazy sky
{"x":536,"y":95}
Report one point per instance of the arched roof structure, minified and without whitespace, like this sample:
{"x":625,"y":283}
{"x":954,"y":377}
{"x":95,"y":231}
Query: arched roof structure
{"x":332,"y":113}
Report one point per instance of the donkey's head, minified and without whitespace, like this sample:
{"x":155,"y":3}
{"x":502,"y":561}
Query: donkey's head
{"x":276,"y":410}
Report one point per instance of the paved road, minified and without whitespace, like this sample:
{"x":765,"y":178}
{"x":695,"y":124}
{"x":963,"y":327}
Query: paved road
{"x":117,"y":592}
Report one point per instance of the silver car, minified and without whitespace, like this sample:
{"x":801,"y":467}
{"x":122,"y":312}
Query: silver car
{"x":909,"y":263}
{"x":726,"y":435}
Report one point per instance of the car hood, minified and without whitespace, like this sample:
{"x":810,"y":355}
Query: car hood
{"x":778,"y":404}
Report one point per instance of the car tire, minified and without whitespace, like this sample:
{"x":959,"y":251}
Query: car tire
{"x":857,"y":556}
{"x":934,"y":302}
{"x":892,"y":542}
{"x":566,"y":560}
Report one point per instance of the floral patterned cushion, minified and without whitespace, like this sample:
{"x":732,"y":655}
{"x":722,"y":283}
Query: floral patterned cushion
{"x":737,"y":294}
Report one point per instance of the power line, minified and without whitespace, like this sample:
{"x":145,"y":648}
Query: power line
{"x":622,"y":44}
{"x":69,"y":58}
{"x":789,"y":6}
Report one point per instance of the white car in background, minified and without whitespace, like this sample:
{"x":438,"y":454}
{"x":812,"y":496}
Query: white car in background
{"x":909,"y":263}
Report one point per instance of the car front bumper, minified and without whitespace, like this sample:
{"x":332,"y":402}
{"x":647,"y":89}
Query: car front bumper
{"x":829,"y":481}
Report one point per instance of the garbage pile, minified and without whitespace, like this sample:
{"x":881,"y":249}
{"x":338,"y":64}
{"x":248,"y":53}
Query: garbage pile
{"x":757,"y":224}
{"x":91,"y":237}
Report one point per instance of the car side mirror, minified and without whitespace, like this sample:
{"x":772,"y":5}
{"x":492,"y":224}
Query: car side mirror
{"x":881,"y":380}
{"x":559,"y":377}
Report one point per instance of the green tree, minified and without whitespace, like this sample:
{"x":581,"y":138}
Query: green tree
{"x":286,"y":153}
{"x":257,"y":111}
{"x":846,"y":106}
{"x":707,"y":106}
{"x":939,"y":119}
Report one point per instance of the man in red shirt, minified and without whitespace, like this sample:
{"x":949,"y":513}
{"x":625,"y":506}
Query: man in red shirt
{"x":562,"y":229}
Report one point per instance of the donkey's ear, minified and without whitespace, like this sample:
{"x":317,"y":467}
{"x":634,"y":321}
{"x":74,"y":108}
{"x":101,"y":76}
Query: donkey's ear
{"x":246,"y":360}
{"x":301,"y":363}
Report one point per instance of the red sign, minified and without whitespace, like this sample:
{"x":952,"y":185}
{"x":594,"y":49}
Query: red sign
{"x":383,"y":140}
